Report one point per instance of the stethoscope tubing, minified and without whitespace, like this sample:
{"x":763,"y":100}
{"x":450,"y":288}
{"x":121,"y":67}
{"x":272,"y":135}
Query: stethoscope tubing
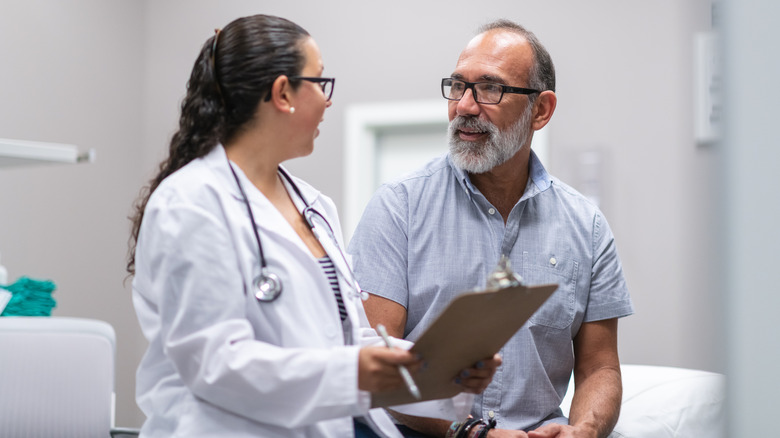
{"x":267,"y":285}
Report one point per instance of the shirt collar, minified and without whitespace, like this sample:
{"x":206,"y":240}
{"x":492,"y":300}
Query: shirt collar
{"x":537,"y":175}
{"x":461,"y":176}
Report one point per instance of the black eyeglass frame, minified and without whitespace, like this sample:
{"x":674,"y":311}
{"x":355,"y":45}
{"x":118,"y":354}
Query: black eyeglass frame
{"x":321,"y":81}
{"x":472,"y":85}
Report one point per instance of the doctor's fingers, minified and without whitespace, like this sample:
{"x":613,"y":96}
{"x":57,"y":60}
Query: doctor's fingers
{"x":397,"y":356}
{"x":375,"y":372}
{"x":394,"y":357}
{"x":390,"y":358}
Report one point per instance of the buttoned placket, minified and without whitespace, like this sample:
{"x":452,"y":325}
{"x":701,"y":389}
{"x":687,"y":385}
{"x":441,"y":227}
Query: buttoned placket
{"x":504,"y":237}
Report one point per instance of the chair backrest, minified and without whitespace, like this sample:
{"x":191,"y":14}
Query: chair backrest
{"x":56,"y":377}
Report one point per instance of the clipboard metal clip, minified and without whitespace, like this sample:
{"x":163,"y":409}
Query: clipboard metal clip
{"x":503,"y":276}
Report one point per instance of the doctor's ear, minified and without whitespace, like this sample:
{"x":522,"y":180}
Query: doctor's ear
{"x":281,"y":95}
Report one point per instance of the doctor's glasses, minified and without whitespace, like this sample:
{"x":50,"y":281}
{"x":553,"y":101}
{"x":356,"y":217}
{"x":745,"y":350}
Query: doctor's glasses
{"x":327,"y":84}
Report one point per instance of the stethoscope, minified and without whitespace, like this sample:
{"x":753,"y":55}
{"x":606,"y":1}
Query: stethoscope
{"x":267,"y":285}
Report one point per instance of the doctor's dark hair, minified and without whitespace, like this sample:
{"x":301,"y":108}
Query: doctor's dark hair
{"x":542,"y":75}
{"x":233,"y":73}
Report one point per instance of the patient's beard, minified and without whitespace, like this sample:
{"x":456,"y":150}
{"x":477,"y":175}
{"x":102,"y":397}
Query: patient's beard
{"x":483,"y":155}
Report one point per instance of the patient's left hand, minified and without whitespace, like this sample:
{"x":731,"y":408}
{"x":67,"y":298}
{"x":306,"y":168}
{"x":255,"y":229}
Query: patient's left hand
{"x":477,"y":378}
{"x":559,"y":431}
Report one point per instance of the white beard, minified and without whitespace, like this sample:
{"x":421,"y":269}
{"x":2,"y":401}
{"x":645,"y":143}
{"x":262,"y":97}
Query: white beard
{"x":497,"y":149}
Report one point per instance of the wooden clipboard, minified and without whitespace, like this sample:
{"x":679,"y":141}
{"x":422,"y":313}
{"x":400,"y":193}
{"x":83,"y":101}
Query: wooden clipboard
{"x":475,"y":325}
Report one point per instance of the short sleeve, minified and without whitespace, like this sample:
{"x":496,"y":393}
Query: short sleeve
{"x":379,"y":246}
{"x":609,"y":297}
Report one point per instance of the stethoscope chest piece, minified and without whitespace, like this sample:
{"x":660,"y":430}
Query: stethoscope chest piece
{"x":267,"y":286}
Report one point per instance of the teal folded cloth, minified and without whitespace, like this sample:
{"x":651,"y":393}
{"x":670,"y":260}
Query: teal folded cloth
{"x":30,"y":297}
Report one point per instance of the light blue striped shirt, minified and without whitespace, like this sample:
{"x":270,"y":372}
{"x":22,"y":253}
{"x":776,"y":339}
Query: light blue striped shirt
{"x":432,"y":234}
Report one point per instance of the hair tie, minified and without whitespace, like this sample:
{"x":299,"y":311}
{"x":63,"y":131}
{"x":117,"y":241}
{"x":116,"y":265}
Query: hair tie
{"x":214,"y":44}
{"x":214,"y":64}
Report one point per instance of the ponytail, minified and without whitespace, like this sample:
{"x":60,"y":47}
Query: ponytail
{"x":231,"y":76}
{"x":202,"y":113}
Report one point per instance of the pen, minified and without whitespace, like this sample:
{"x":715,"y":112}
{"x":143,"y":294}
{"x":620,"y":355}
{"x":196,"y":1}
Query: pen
{"x":404,"y":372}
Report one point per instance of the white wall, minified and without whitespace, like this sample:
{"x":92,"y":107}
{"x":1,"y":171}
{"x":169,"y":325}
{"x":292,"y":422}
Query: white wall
{"x":111,"y":74}
{"x":71,"y":72}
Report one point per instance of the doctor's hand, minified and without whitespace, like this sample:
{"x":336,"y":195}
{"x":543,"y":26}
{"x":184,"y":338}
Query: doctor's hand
{"x":378,"y":368}
{"x":477,"y":378}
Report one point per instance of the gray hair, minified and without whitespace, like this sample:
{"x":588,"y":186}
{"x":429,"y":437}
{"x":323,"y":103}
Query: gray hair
{"x":542,"y":74}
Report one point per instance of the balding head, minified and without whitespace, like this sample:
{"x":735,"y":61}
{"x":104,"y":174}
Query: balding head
{"x":542,"y":74}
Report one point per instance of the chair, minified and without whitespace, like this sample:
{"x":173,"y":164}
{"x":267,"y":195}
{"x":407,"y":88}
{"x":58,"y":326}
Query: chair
{"x":57,"y":378}
{"x":668,"y":402}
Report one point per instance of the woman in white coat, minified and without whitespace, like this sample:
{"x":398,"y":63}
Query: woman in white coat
{"x":216,"y":233}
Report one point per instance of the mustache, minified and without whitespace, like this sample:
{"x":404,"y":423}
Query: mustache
{"x":471,"y":123}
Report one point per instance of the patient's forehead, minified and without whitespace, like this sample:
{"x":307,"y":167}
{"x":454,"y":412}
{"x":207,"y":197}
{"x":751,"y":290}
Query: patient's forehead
{"x":497,"y":53}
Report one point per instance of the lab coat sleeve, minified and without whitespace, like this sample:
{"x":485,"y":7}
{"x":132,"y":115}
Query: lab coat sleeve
{"x":194,"y":276}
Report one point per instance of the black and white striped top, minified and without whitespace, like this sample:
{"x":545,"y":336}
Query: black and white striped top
{"x":330,"y":271}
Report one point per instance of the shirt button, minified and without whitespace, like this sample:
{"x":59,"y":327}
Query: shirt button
{"x":492,"y":211}
{"x":491,"y":414}
{"x":553,"y":261}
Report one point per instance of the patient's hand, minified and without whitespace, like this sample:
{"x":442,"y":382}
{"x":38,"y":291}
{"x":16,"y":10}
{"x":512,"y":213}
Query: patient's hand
{"x":504,"y":433}
{"x":477,"y":378}
{"x":560,"y":431}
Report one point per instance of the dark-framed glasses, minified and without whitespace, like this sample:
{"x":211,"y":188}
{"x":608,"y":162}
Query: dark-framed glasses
{"x":326,"y":84}
{"x":488,"y":93}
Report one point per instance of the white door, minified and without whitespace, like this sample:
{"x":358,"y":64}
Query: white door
{"x":387,"y":140}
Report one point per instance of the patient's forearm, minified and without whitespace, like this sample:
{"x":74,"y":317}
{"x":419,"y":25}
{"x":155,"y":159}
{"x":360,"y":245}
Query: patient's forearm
{"x":596,"y":402}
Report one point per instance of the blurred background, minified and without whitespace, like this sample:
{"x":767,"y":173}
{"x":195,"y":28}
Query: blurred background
{"x":685,"y":181}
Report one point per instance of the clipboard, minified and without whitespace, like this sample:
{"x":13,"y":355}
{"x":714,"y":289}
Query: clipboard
{"x":475,"y":325}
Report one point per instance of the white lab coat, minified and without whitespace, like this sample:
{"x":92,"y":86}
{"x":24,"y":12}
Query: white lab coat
{"x":219,"y":363}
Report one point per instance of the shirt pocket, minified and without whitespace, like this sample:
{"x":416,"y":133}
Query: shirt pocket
{"x":558,"y":311}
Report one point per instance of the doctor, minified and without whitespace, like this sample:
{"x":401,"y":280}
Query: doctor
{"x":254,"y":319}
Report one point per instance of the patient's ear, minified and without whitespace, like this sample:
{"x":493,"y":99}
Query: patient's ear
{"x":544,"y":107}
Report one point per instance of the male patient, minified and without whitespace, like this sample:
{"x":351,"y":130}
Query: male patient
{"x":441,"y":230}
